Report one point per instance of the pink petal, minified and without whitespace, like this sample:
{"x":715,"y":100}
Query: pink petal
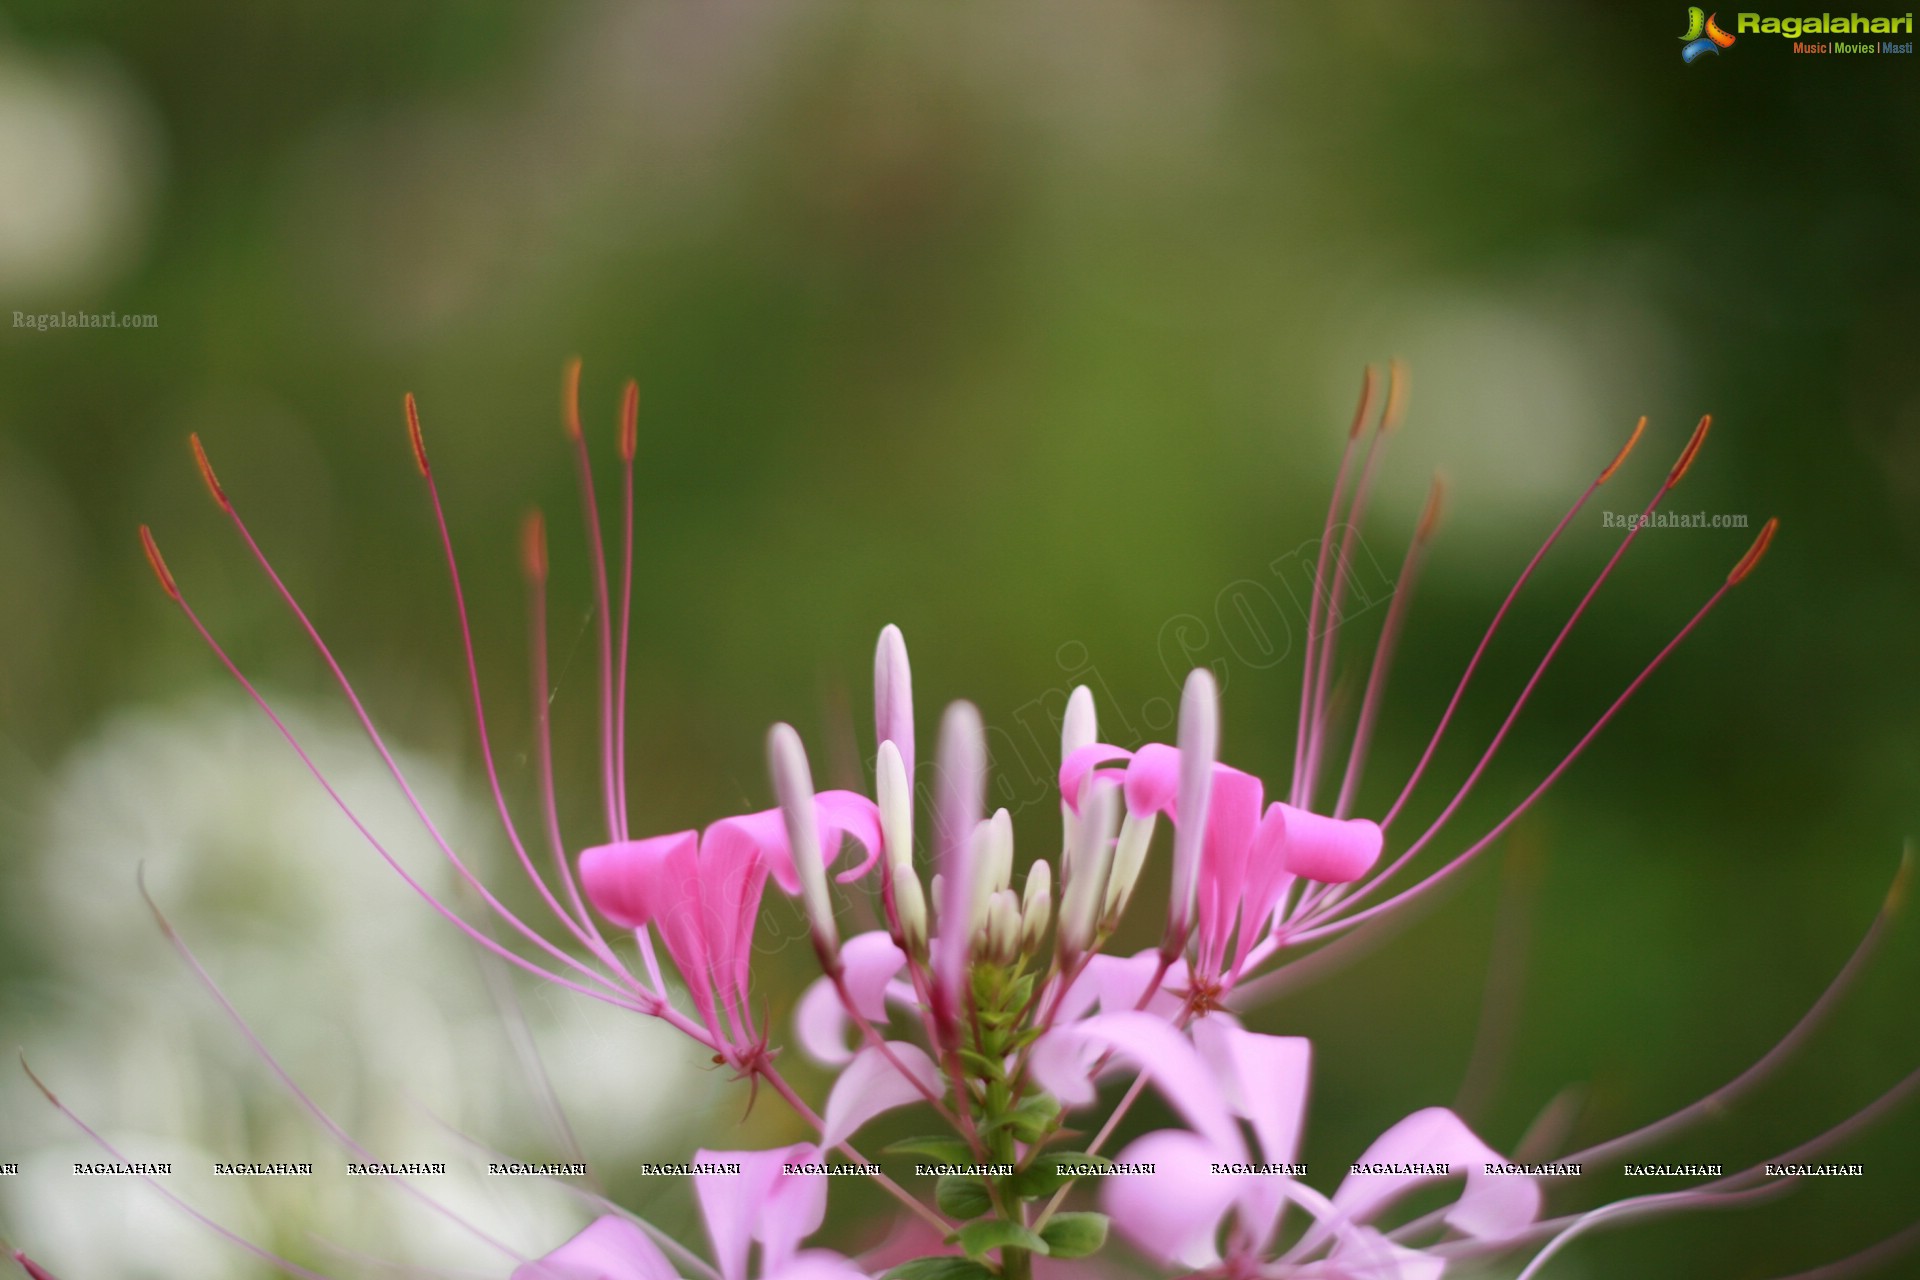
{"x":1062,"y":1062}
{"x":1153,"y":780}
{"x":1173,"y":1216}
{"x":762,"y":1202}
{"x":1116,"y":983}
{"x":1365,"y":1254}
{"x":1330,"y":850}
{"x":637,"y":881}
{"x":1490,"y":1206}
{"x":609,"y":1249}
{"x":893,"y":694}
{"x":816,"y":1264}
{"x":1264,"y":1079}
{"x":1080,"y":762}
{"x":869,"y":960}
{"x":871,"y":1084}
{"x":766,"y":834}
{"x":846,"y":814}
{"x":1233,"y":815}
{"x":1267,"y":879}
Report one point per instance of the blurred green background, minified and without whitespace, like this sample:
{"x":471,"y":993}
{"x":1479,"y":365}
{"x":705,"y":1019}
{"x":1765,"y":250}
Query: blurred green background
{"x":1032,"y":328}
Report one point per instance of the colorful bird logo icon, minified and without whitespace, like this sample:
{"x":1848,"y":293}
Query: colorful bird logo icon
{"x":1712,"y":41}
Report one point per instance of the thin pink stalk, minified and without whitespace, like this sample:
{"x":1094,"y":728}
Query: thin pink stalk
{"x":596,"y":548}
{"x":267,"y":1256}
{"x":1360,"y":415}
{"x":300,"y":1095}
{"x":1796,"y":1036}
{"x":1320,"y":724}
{"x":1328,"y":923}
{"x":1390,"y":633}
{"x":1540,"y":670}
{"x":612,"y":995}
{"x":573,"y":926}
{"x":629,"y":445}
{"x":1500,"y":614}
{"x":353,"y":697}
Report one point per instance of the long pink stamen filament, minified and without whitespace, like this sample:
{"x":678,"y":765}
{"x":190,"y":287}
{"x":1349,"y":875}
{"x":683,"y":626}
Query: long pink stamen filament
{"x":586,"y":937}
{"x":629,"y":432}
{"x":1500,"y":614}
{"x":1321,"y":721}
{"x":1334,"y":918}
{"x":612,"y":995}
{"x":596,"y":547}
{"x":1533,"y":682}
{"x":267,"y":1256}
{"x":373,"y":734}
{"x":305,"y":1100}
{"x":1390,"y":633}
{"x":1788,"y":1044}
{"x":1316,"y":587}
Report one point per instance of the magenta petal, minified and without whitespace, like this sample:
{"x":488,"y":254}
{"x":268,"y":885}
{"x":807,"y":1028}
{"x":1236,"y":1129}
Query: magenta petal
{"x":1365,"y":1254}
{"x":1061,"y":1062}
{"x":816,"y":1264}
{"x":1330,"y":850}
{"x":765,"y":833}
{"x":637,"y":881}
{"x":1153,"y":780}
{"x":1490,"y":1206}
{"x":1264,"y":1079}
{"x":872,"y":1084}
{"x":1080,"y":762}
{"x":820,"y":1021}
{"x":1173,"y":1216}
{"x":762,"y":1202}
{"x":869,"y":961}
{"x":609,"y":1249}
{"x":845,"y":814}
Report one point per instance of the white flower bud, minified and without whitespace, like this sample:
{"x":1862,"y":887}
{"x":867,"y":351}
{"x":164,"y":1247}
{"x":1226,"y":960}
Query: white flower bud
{"x":1003,"y":927}
{"x":1036,"y":904}
{"x":793,"y":784}
{"x":1129,"y":855}
{"x":910,"y":904}
{"x":1085,"y":888}
{"x":894,"y":795}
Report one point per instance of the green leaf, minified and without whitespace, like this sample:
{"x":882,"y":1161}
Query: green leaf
{"x":997,"y":1233}
{"x":962,"y":1198}
{"x":940,"y":1269}
{"x":980,"y":1065}
{"x":1075,"y":1235}
{"x":940,"y":1149}
{"x":1031,"y":1118}
{"x":1044,"y":1177}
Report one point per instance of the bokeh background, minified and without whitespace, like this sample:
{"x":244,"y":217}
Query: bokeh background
{"x":1034,"y":329}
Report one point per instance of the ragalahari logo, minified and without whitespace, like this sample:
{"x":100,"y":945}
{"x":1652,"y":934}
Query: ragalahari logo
{"x":1703,"y":35}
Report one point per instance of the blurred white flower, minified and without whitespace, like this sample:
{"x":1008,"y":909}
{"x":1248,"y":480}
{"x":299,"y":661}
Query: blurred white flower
{"x":374,"y":1004}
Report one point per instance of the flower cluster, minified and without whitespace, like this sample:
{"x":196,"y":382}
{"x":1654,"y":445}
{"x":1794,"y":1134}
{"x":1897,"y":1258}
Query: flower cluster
{"x":1001,"y":1011}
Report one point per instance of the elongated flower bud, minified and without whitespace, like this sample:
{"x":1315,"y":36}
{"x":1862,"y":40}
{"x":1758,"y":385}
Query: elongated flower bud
{"x":1129,"y":855}
{"x":996,"y":853}
{"x":893,"y":697}
{"x":1079,"y":727}
{"x":962,"y":765}
{"x":891,"y":791}
{"x":793,"y":784}
{"x":1036,"y":905}
{"x":910,"y":904}
{"x":1003,"y":927}
{"x":1199,"y":748}
{"x":1085,"y":888}
{"x":894,"y":795}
